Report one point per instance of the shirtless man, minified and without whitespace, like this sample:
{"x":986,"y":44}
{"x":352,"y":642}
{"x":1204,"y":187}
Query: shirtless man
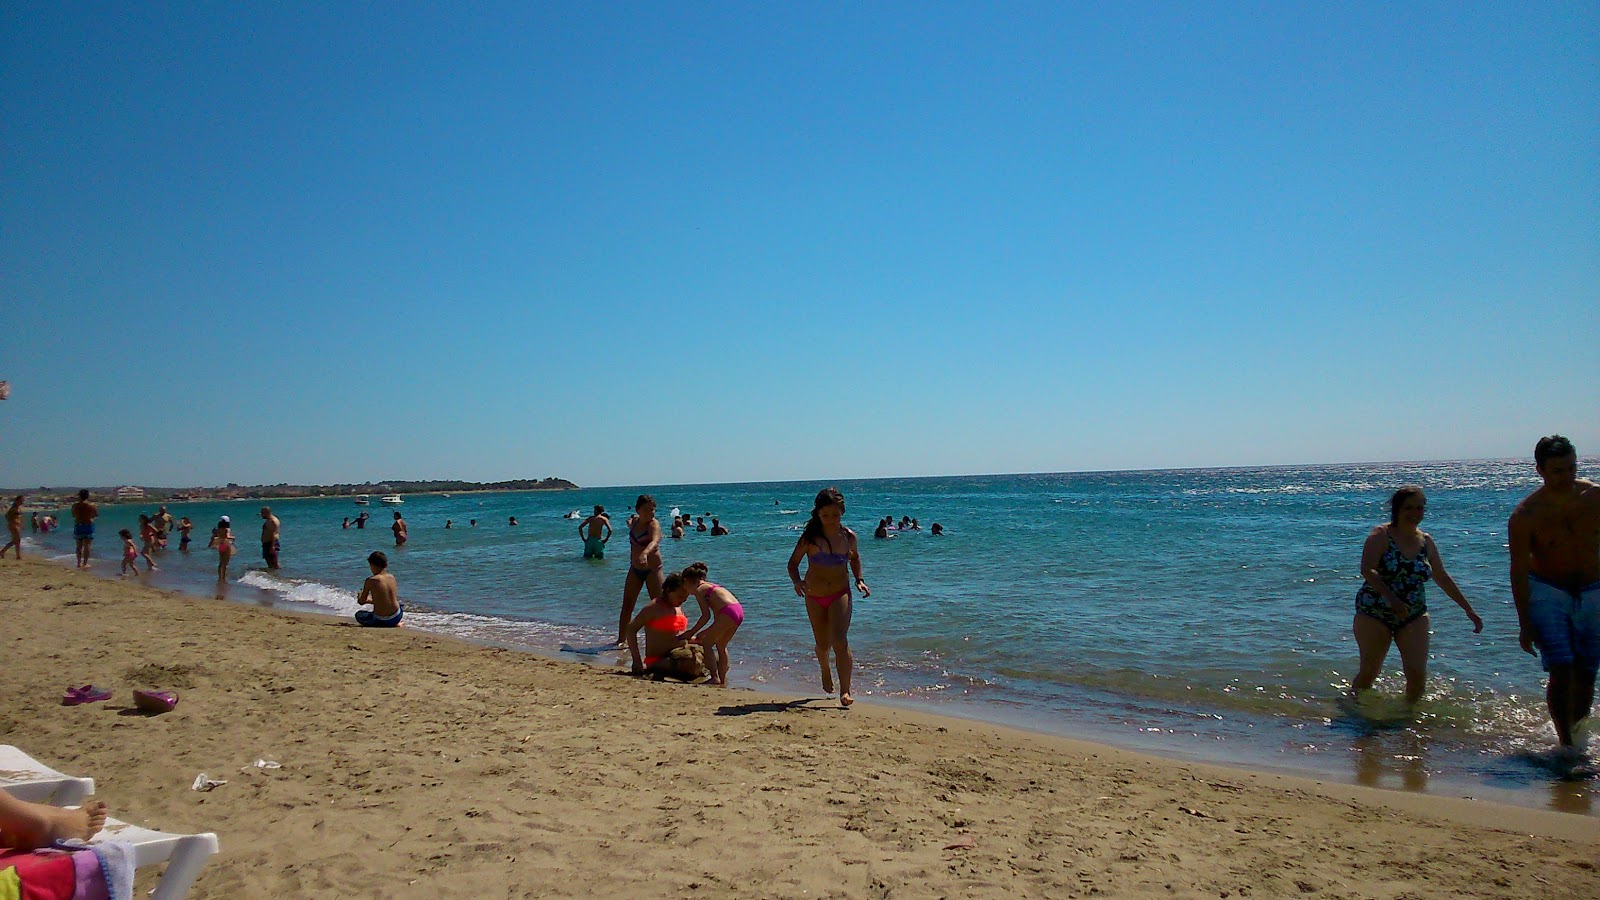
{"x":269,"y":537}
{"x":162,"y":520}
{"x":83,"y":516}
{"x":1555,"y":581}
{"x":399,"y":529}
{"x":383,"y":593}
{"x":594,"y":543}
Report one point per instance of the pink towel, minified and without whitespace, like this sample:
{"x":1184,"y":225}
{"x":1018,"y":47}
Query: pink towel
{"x":44,"y":874}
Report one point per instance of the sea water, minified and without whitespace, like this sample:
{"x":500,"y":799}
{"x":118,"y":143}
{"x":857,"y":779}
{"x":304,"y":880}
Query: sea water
{"x":1198,"y":613}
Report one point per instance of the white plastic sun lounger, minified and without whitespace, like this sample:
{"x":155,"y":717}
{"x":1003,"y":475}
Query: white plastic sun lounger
{"x":184,"y":854}
{"x":26,"y":778}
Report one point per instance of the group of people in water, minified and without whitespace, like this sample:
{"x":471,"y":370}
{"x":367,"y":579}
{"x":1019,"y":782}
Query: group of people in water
{"x":1554,"y":541}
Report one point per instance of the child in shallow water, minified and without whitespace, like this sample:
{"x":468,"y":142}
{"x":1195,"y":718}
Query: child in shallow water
{"x":713,"y":598}
{"x":222,"y":542}
{"x":130,"y":553}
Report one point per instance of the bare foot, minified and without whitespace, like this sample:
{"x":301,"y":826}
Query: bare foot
{"x":61,"y":824}
{"x":845,"y":700}
{"x":827,"y":681}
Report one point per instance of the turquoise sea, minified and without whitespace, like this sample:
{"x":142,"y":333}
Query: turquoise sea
{"x":1197,"y":613}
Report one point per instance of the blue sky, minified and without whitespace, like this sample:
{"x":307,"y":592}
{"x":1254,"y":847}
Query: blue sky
{"x":673,"y":243}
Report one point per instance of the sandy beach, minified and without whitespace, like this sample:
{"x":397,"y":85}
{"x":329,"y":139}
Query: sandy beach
{"x":418,"y":766}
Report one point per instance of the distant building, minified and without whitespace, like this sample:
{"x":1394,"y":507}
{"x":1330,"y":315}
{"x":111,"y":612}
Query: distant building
{"x":130,"y":493}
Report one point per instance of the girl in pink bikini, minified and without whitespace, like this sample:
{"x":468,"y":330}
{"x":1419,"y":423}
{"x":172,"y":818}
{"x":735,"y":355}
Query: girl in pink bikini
{"x":729,"y":616}
{"x":830,"y":551}
{"x":130,"y":553}
{"x":222,"y":542}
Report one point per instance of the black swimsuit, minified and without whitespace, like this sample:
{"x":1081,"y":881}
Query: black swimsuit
{"x":1407,"y":577}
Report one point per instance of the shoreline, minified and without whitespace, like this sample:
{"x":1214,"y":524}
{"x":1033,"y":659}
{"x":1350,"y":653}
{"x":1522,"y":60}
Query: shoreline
{"x":1558,"y":797}
{"x":482,"y":768}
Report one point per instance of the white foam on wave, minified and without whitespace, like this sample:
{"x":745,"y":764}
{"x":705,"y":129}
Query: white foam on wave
{"x":310,"y":592}
{"x":32,"y":547}
{"x":470,"y":626}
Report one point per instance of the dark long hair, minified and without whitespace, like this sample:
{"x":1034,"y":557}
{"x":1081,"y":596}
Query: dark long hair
{"x":825,"y":497}
{"x":1399,"y":499}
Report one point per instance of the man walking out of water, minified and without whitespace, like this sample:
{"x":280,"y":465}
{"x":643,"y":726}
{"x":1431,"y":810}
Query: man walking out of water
{"x":83,"y":516}
{"x":162,"y":520}
{"x":269,"y":537}
{"x":1555,"y":581}
{"x":594,"y":544}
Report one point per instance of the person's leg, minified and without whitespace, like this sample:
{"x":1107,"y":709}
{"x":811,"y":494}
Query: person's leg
{"x":1582,"y":695}
{"x":630,"y":596}
{"x":1372,"y":639}
{"x":839,"y":626}
{"x":1558,"y":696}
{"x":715,"y":640}
{"x":1412,"y":642}
{"x":821,"y":634}
{"x":32,"y":826}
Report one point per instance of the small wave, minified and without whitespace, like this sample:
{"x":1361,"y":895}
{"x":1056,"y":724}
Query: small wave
{"x":311,"y":592}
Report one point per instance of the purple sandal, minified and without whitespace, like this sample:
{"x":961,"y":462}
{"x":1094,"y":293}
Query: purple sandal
{"x":155,"y":702}
{"x":86,"y":694}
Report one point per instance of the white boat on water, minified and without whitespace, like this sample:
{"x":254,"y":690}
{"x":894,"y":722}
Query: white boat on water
{"x":361,"y":500}
{"x":390,"y":500}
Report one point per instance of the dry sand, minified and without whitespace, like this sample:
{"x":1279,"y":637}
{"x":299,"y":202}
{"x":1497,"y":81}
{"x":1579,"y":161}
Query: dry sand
{"x":418,"y":766}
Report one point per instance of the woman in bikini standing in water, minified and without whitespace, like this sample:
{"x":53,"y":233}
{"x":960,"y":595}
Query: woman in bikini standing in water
{"x":830,"y":549}
{"x":1397,"y":561}
{"x":644,"y":561}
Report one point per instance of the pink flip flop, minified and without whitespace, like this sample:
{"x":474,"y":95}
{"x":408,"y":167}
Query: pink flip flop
{"x":86,"y":694}
{"x":155,"y":702}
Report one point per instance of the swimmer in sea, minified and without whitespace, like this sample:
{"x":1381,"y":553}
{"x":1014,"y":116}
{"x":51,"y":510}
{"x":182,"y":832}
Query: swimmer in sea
{"x":1397,"y":561}
{"x":700,"y":524}
{"x":717,"y":529}
{"x":595,"y":532}
{"x":677,"y":528}
{"x":936,"y":529}
{"x":718,"y":600}
{"x":399,"y":529}
{"x":184,"y":527}
{"x":830,"y":551}
{"x":644,"y":560}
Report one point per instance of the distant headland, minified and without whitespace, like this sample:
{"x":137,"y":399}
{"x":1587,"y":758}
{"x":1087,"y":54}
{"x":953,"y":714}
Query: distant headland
{"x":53,"y":496}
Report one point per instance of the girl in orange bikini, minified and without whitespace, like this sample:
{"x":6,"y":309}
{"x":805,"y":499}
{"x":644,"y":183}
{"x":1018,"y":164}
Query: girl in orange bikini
{"x":664,"y":625}
{"x":830,"y":551}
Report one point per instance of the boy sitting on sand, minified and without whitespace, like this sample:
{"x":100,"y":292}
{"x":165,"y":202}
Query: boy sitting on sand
{"x":383,"y":593}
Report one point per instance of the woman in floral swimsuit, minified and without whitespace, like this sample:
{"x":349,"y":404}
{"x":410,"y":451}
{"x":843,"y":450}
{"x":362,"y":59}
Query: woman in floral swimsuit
{"x":1397,"y":561}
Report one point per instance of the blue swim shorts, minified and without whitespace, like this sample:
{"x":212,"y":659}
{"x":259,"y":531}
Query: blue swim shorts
{"x":1566,"y":625}
{"x":83,"y":531}
{"x":367,"y":619}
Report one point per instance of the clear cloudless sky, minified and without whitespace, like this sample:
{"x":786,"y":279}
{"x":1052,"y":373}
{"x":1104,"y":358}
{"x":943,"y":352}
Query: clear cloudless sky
{"x":696,"y":242}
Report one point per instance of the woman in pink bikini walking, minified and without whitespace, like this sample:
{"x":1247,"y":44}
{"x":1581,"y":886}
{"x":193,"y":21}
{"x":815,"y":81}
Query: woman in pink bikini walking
{"x":830,"y":551}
